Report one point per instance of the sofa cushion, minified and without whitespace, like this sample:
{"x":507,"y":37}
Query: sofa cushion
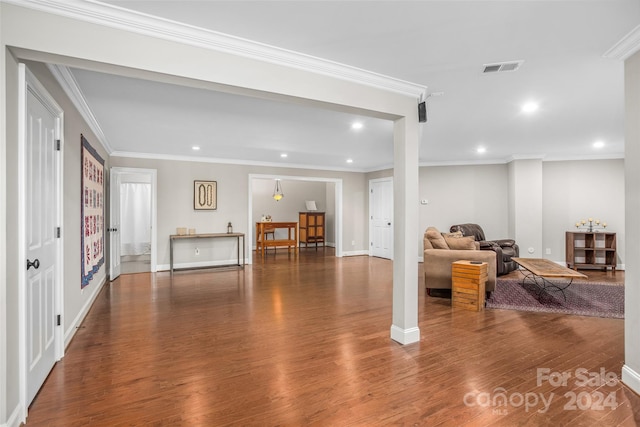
{"x":465,"y":243}
{"x":436,"y":239}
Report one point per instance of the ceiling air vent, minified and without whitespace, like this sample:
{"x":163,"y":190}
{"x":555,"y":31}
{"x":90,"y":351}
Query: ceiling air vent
{"x":500,"y":67}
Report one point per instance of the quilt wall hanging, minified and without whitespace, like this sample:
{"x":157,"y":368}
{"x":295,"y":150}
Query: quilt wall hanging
{"x":92,"y":216}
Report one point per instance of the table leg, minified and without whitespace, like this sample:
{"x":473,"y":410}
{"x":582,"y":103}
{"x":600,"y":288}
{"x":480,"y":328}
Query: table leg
{"x":542,"y":283}
{"x":171,"y":256}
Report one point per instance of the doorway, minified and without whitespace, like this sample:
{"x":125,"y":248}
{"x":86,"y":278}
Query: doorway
{"x":381,"y":217}
{"x":333,"y":206}
{"x":40,"y":234}
{"x":133,"y":221}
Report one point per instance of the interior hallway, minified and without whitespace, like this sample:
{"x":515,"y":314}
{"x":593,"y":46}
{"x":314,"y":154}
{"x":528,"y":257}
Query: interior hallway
{"x":305,"y":340}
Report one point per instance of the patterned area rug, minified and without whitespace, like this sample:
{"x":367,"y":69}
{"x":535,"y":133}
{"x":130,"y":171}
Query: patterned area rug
{"x":583,"y":299}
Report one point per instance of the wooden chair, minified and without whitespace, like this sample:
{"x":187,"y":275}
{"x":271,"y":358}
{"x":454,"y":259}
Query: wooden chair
{"x":269,"y":230}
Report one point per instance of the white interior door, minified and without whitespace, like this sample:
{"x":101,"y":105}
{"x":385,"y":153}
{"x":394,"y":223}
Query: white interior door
{"x":381,"y":217}
{"x":42,"y":166}
{"x":114,"y":225}
{"x":118,"y":176}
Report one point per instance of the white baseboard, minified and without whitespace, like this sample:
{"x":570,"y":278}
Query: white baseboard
{"x":69,"y":333}
{"x":405,"y":336}
{"x":355,"y":253}
{"x":631,"y":378}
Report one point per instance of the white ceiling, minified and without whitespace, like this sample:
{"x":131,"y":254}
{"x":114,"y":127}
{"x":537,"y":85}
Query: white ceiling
{"x":439,"y":44}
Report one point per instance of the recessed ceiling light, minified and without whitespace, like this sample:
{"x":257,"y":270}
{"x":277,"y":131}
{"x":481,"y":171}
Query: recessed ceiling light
{"x":357,"y":125}
{"x":195,"y":148}
{"x":530,"y":107}
{"x":598,"y":144}
{"x":349,"y":160}
{"x":283,"y":155}
{"x":481,"y":150}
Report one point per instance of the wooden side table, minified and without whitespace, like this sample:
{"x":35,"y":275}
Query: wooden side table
{"x":468,"y":285}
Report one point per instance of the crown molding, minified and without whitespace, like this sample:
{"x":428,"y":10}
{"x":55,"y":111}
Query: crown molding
{"x":585,"y":157}
{"x":626,"y":47}
{"x":170,"y":157}
{"x":70,"y":86}
{"x":141,"y":23}
{"x":507,"y":160}
{"x":525,"y":157}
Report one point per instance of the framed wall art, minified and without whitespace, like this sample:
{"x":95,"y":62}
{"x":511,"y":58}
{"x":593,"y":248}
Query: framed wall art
{"x":92,"y":212}
{"x":205,"y":195}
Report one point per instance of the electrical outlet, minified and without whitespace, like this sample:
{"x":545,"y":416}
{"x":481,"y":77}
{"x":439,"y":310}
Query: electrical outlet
{"x":197,"y":251}
{"x":547,"y":251}
{"x":353,"y":243}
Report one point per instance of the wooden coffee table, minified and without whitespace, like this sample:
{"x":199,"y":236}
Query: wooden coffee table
{"x":546,"y":274}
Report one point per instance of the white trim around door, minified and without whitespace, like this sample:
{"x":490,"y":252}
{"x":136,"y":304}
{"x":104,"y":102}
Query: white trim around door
{"x":152,"y":174}
{"x":28,"y":84}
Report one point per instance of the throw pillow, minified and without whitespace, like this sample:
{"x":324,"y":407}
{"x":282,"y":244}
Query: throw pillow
{"x":454,"y":234}
{"x":465,"y":243}
{"x":436,"y":239}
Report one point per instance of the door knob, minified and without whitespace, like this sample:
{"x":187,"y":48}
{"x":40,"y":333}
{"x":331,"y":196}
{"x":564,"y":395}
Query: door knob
{"x":35,"y":264}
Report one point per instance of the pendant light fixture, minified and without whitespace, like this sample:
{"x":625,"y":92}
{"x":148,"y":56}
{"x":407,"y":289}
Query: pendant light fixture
{"x":277,"y":192}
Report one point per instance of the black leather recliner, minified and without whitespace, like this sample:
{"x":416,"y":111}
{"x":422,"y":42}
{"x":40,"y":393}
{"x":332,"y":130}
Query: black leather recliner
{"x":505,"y":249}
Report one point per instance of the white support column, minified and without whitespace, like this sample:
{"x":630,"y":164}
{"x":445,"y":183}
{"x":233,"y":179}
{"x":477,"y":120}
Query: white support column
{"x":631,"y":368}
{"x":525,"y":206}
{"x":405,"y":264}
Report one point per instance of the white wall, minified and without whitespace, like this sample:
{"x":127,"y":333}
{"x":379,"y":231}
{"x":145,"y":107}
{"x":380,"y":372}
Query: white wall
{"x":525,"y":197}
{"x":631,"y":368}
{"x":461,"y":194}
{"x":575,"y":190}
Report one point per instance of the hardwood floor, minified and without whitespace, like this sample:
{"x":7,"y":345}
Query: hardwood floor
{"x":305,"y":341}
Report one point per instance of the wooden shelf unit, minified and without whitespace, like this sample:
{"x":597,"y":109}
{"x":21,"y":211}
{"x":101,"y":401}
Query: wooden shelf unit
{"x":586,"y":249}
{"x":312,"y":228}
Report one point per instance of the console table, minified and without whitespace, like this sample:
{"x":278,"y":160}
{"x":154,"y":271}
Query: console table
{"x":291,"y":242}
{"x":214,"y":236}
